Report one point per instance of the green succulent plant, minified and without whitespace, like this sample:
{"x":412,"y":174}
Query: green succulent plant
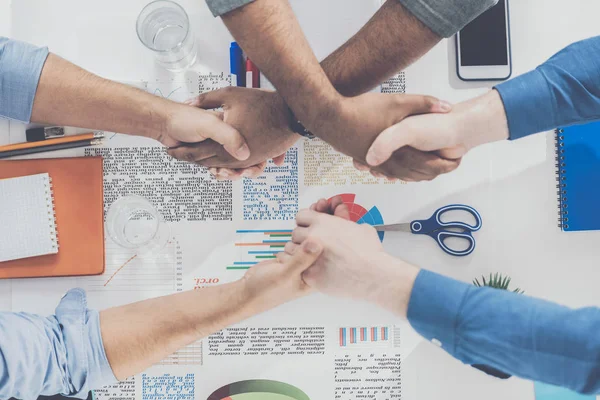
{"x":496,"y":281}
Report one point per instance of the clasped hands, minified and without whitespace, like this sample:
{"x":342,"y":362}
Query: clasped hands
{"x":398,"y":136}
{"x":335,"y":256}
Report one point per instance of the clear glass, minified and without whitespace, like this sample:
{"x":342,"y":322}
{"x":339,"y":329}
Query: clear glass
{"x":164,"y":27}
{"x":134,"y":223}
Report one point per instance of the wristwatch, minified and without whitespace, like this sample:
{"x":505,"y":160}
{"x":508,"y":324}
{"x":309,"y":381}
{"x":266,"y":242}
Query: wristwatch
{"x":297,"y":127}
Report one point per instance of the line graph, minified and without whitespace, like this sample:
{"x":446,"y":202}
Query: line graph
{"x":158,"y":92}
{"x":125,"y":272}
{"x":119,"y":269}
{"x":179,"y":89}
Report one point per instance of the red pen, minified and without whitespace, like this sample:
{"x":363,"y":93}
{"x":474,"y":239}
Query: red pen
{"x":252,"y":75}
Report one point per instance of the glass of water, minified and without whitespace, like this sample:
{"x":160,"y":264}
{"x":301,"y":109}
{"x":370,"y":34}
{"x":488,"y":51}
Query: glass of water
{"x":134,"y":223}
{"x":164,"y":27}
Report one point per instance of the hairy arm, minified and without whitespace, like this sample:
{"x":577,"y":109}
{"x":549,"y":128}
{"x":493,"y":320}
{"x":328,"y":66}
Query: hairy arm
{"x":69,"y":95}
{"x":270,"y":34}
{"x":141,"y":334}
{"x":392,"y":40}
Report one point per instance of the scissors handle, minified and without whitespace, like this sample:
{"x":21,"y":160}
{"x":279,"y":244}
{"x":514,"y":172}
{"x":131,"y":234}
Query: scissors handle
{"x":428,"y":226}
{"x":440,"y":231}
{"x":443,"y":235}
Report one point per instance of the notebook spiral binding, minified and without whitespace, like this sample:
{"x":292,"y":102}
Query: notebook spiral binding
{"x":52,"y":215}
{"x":561,"y":180}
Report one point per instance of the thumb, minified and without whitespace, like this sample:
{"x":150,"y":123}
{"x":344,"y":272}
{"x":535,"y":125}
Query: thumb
{"x":387,"y":143}
{"x":304,"y":257}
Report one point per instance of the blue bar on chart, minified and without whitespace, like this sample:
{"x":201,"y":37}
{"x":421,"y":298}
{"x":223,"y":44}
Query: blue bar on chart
{"x":255,"y":246}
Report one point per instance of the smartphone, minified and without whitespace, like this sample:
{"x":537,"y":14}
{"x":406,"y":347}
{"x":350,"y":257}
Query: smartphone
{"x":483,"y":46}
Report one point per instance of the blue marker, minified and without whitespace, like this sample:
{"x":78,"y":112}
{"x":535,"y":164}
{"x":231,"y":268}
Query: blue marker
{"x":236,"y":65}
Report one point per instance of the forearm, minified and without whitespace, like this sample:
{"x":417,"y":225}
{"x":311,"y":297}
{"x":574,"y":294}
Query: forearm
{"x":69,"y":95}
{"x":480,"y":120}
{"x":391,"y":41}
{"x":516,"y":334}
{"x":394,"y":285}
{"x":139,"y":335}
{"x":563,"y":91}
{"x":269,"y":33}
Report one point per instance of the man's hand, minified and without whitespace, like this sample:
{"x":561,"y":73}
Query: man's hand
{"x":188,"y":127}
{"x":262,"y":118}
{"x":356,"y":122}
{"x":275,"y":282}
{"x":353,"y":263}
{"x":451,"y":135}
{"x":69,"y":95}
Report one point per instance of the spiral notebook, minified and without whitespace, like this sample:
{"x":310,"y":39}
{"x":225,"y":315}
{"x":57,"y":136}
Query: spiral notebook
{"x":578,"y":176}
{"x":27,"y":215}
{"x":78,"y":204}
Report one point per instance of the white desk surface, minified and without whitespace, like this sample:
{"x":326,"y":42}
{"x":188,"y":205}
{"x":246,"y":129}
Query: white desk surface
{"x":514,"y":182}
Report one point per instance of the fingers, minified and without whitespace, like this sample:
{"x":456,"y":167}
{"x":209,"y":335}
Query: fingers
{"x":399,"y":135}
{"x":359,"y":166}
{"x":412,"y":165}
{"x":279,"y":160}
{"x":299,"y":235}
{"x":301,"y":260}
{"x":306,"y":217}
{"x":223,"y":174}
{"x":388,"y":141}
{"x":340,"y":209}
{"x":412,"y":104}
{"x":235,"y":174}
{"x":290,"y":248}
{"x":195,"y":152}
{"x":322,"y":206}
{"x":212,"y":99}
{"x":233,"y":142}
{"x":283,"y":257}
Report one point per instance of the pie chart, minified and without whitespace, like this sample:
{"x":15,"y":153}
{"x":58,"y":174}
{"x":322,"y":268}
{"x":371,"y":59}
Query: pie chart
{"x":360,"y":214}
{"x":258,"y":390}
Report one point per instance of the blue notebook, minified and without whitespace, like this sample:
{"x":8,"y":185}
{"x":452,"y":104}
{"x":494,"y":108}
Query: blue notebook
{"x":578,"y":176}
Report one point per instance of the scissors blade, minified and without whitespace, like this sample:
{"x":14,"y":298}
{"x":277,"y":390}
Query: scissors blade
{"x":393,"y":228}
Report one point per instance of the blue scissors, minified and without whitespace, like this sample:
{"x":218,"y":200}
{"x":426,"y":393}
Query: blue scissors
{"x":440,"y":231}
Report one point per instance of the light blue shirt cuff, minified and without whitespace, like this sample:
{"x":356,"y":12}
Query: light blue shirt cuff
{"x":20,"y":69}
{"x":434,"y":307}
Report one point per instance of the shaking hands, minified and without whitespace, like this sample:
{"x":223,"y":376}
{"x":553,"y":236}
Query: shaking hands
{"x":264,"y":120}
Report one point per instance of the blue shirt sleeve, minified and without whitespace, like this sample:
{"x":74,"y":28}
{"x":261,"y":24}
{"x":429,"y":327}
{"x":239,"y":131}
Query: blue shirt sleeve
{"x":563,"y":91}
{"x":20,"y":69}
{"x":514,"y":333}
{"x":62,"y":354}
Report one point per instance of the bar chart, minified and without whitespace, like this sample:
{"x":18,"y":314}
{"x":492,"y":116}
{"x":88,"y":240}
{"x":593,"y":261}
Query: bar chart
{"x":254,"y":246}
{"x":365,"y":337}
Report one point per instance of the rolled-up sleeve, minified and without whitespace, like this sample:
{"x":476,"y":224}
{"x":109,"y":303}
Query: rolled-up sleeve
{"x":20,"y":69}
{"x":220,"y":7}
{"x":446,"y":17}
{"x":62,"y":354}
